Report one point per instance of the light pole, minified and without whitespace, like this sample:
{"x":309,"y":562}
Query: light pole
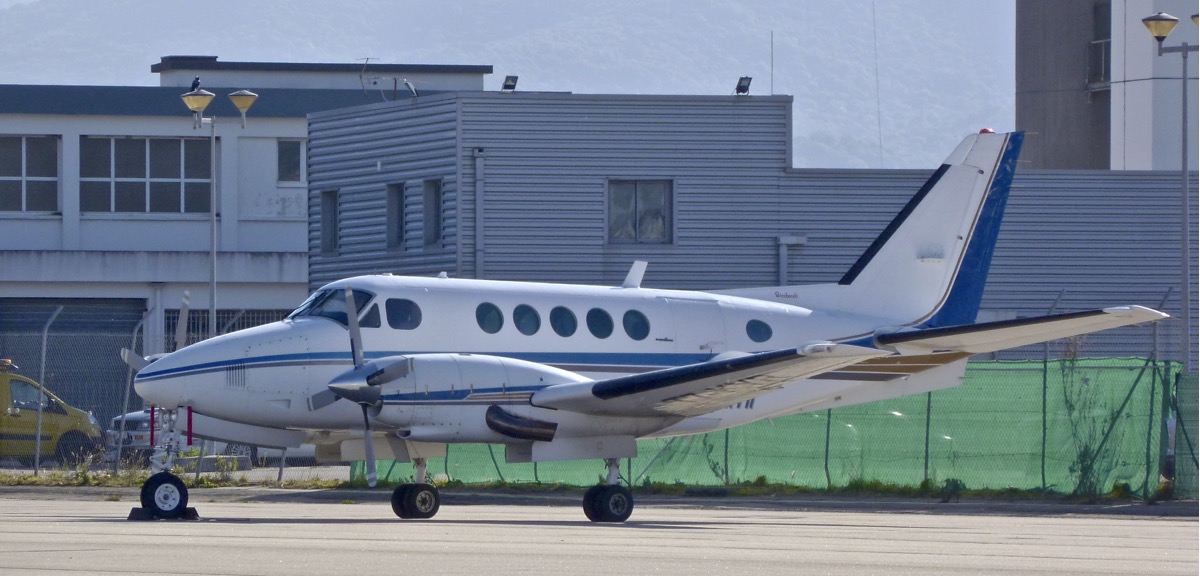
{"x":197,"y":101}
{"x":1160,"y":25}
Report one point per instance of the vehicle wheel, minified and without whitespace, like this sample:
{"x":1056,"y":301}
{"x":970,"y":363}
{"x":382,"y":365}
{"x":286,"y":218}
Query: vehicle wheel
{"x":614,"y":503}
{"x":590,"y":499}
{"x":74,"y":449}
{"x":422,"y":500}
{"x":398,"y":498}
{"x":242,"y":450}
{"x":165,"y":495}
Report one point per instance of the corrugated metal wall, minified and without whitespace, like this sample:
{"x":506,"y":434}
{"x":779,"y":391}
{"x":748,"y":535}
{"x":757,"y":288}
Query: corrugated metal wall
{"x":542,"y":160}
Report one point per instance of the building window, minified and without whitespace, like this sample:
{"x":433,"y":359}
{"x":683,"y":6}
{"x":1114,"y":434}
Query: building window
{"x":639,"y":211}
{"x":28,"y":174}
{"x":329,"y":222}
{"x":163,"y":175}
{"x":291,"y":160}
{"x":395,"y":216}
{"x":433,"y":214}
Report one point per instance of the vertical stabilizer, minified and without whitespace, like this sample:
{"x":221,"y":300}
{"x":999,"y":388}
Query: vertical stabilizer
{"x":931,"y":262}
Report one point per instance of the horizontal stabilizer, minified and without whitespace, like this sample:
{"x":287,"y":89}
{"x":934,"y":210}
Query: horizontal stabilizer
{"x":701,"y":388}
{"x":993,"y":336}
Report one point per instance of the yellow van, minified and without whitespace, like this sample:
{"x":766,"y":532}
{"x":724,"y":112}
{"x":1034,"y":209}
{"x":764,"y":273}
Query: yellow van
{"x":68,"y":434}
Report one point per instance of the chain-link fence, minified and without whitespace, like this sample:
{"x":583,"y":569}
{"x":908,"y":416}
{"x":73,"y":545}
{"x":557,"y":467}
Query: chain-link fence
{"x":1086,"y":426}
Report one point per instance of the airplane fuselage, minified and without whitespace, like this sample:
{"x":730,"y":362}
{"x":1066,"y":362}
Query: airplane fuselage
{"x":277,"y":375}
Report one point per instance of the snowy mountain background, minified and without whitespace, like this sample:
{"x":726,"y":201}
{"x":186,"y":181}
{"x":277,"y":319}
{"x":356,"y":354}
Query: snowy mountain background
{"x":884,"y":83}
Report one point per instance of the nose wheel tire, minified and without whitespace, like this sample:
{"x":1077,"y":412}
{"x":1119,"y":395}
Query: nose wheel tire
{"x":608,"y":503}
{"x":420,"y":501}
{"x":165,"y":495}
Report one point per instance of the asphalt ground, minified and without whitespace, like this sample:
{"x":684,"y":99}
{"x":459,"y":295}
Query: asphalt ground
{"x":267,"y":531}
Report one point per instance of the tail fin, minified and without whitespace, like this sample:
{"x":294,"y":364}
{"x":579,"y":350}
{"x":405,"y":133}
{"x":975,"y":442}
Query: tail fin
{"x":929,"y":265}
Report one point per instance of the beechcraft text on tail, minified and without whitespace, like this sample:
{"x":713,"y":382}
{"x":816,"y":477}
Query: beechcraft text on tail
{"x":394,"y":367}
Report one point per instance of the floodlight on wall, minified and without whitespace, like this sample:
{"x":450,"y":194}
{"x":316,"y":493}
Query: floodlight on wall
{"x":510,"y":84}
{"x":243,"y":100}
{"x":743,"y":86}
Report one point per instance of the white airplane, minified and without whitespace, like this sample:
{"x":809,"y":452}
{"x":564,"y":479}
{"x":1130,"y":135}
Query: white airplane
{"x":556,"y":372}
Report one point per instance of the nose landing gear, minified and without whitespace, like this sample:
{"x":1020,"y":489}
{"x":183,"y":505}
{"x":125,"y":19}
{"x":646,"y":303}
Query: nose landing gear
{"x":164,"y":495}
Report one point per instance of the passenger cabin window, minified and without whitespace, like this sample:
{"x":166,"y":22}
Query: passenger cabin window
{"x":563,"y":321}
{"x":331,"y":303}
{"x":600,"y":324}
{"x":636,"y":325}
{"x":758,"y":330}
{"x":489,"y":317}
{"x":526,"y":319}
{"x":403,"y":314}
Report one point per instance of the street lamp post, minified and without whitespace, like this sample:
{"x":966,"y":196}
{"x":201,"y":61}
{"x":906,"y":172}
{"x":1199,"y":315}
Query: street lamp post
{"x":1160,"y":26}
{"x":197,"y":101}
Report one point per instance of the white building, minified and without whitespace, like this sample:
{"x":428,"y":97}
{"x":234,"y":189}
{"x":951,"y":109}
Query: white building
{"x":105,"y":191}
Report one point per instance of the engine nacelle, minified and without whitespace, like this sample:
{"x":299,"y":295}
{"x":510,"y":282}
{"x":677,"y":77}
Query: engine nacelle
{"x":450,"y":393}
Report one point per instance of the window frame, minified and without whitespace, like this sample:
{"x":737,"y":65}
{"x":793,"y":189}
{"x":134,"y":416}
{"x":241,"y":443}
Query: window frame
{"x":610,"y":213}
{"x":125,"y":187}
{"x":24,"y":178}
{"x":330,"y":217}
{"x":433,"y":200}
{"x":301,"y":168}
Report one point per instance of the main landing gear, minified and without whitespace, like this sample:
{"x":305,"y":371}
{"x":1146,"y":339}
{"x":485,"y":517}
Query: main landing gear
{"x":418,"y":499}
{"x":610,"y":502}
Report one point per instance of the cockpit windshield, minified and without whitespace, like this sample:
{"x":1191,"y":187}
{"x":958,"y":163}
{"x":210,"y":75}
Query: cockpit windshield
{"x":331,"y":303}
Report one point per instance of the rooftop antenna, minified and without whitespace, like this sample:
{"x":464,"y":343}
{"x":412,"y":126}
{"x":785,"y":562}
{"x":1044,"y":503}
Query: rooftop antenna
{"x":361,"y":82}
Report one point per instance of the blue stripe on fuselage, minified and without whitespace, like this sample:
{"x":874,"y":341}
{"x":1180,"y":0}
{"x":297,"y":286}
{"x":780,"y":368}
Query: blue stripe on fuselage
{"x":634,"y":361}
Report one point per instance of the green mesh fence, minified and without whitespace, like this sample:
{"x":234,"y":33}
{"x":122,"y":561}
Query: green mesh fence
{"x":1081,"y":426}
{"x":1186,"y":396}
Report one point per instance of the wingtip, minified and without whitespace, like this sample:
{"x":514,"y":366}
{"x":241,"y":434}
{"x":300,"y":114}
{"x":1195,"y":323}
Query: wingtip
{"x":1142,"y":313}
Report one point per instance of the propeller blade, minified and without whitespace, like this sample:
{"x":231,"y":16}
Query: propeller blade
{"x":369,"y":446}
{"x":133,"y":360}
{"x":355,"y":333}
{"x":181,"y":323}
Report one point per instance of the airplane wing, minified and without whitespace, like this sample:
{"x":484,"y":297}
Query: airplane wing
{"x":701,"y":388}
{"x":993,"y":336}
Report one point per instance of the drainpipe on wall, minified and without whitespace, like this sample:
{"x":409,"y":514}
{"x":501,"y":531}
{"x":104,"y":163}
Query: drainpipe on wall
{"x":479,"y":157}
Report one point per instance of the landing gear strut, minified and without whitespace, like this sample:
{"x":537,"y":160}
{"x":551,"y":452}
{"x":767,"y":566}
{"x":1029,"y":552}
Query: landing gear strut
{"x":164,"y":495}
{"x":610,"y":502}
{"x":418,"y":499}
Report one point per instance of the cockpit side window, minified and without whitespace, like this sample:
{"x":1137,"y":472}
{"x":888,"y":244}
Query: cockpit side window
{"x":331,"y":304}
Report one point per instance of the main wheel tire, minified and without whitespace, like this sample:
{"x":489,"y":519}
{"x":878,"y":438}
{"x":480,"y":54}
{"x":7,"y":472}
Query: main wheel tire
{"x":590,"y":503}
{"x":422,"y":501}
{"x":398,"y":501}
{"x":165,"y":495}
{"x":614,"y":503}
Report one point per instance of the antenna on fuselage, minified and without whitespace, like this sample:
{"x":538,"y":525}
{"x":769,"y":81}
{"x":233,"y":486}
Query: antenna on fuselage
{"x":634,"y":278}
